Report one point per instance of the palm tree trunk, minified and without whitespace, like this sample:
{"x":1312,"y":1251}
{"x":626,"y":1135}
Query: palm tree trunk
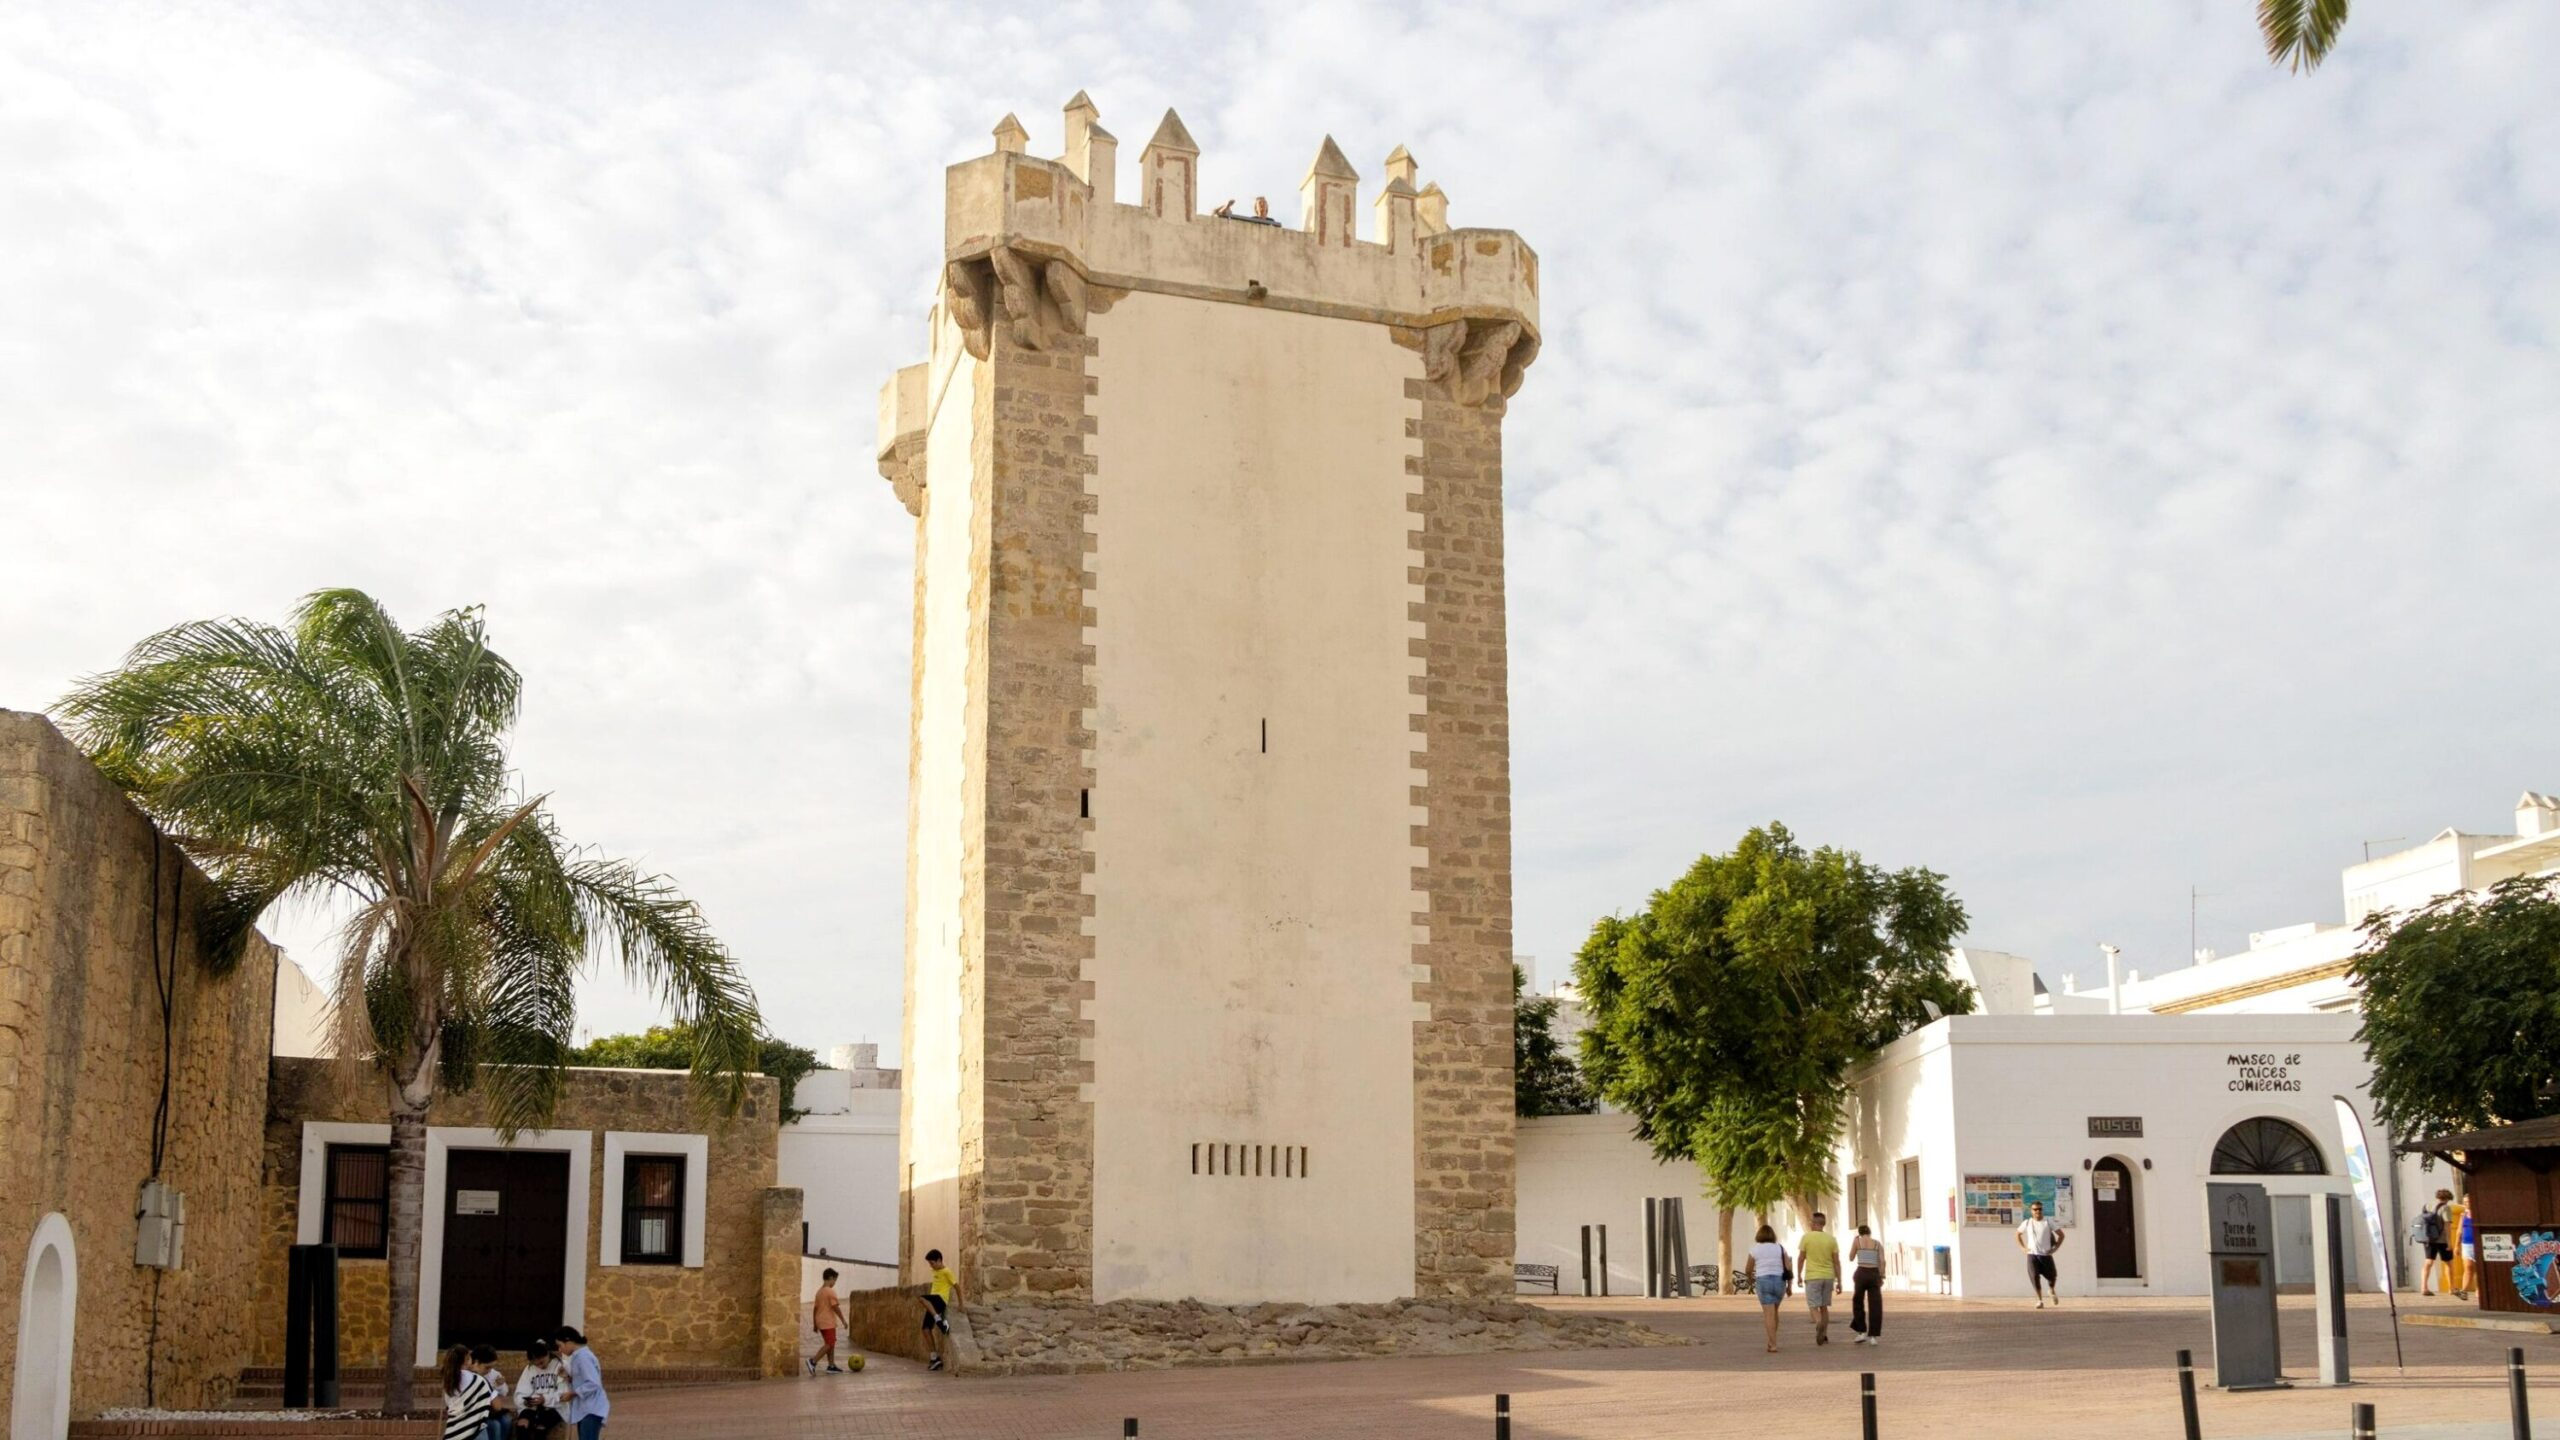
{"x":408,"y":1220}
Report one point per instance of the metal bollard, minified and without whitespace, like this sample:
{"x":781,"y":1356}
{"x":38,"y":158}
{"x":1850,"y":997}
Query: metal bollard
{"x":2187,"y":1393}
{"x":2362,"y":1426}
{"x":1501,"y":1417}
{"x":1867,"y":1403}
{"x":2515,"y":1394}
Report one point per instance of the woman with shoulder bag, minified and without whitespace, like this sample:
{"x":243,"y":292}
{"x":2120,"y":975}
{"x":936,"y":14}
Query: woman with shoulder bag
{"x":1769,"y":1276}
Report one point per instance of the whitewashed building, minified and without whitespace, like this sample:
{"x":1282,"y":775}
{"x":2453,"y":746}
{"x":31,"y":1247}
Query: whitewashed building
{"x":2116,"y":1122}
{"x":841,"y":1150}
{"x":2118,"y":1103}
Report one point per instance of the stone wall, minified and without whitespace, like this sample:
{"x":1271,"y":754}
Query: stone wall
{"x":779,"y":1321}
{"x":1029,"y":1226}
{"x":885,"y":1322}
{"x":719,"y":1315}
{"x":80,"y":1080}
{"x":1463,"y":1185}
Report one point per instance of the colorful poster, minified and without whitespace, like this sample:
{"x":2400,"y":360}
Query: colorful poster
{"x":2536,"y":1253}
{"x":2001,"y":1200}
{"x":2360,"y":1174}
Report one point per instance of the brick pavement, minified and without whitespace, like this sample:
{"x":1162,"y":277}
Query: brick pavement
{"x":1947,"y":1369}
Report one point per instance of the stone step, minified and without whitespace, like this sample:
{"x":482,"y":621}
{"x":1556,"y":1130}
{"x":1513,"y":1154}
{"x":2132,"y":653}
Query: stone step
{"x":262,"y":1386}
{"x":2516,"y":1324}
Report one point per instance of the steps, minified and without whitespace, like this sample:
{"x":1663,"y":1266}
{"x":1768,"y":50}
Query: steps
{"x":261,"y":1387}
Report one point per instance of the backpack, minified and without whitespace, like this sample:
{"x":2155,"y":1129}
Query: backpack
{"x":2432,"y":1227}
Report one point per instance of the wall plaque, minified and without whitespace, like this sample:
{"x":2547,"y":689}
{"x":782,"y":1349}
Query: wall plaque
{"x":475,"y":1202}
{"x":2115,"y":1127}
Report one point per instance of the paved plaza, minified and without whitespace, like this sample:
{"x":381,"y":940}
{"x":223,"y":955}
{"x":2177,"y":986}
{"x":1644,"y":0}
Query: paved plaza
{"x":1947,"y":1368}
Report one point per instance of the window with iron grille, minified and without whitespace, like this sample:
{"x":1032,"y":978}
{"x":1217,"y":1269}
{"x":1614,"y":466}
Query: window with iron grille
{"x":653,"y":1210}
{"x":356,"y":1215}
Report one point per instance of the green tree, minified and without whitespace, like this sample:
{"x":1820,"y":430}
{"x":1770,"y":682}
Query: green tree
{"x":1728,"y":1014}
{"x":2462,"y":1009}
{"x":2300,"y":33}
{"x":672,"y":1047}
{"x":346,"y":759}
{"x":1544,"y":1080}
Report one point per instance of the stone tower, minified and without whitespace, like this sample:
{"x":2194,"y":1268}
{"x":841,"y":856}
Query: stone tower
{"x":1208,"y":987}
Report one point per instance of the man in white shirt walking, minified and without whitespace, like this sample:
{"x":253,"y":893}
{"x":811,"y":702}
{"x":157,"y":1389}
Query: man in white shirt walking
{"x":2040,"y":1237}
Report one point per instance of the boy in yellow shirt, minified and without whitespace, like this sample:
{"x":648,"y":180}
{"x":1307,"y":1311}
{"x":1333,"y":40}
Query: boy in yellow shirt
{"x":937,"y":1306}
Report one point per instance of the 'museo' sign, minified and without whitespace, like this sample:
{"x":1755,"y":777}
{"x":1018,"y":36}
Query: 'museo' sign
{"x":2262,"y":1071}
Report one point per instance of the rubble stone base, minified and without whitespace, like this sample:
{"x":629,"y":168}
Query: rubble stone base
{"x":1027,"y":1337}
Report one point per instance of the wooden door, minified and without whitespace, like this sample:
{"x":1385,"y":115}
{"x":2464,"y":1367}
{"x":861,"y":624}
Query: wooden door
{"x":506,"y":1235}
{"x":2111,"y":1227}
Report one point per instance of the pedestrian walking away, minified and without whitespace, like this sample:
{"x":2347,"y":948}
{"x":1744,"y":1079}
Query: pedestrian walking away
{"x":1818,"y":1265}
{"x":2040,"y":1238}
{"x":1769,"y":1279}
{"x":938,"y":1301}
{"x":1866,"y":1288}
{"x":466,"y":1396}
{"x":583,"y":1401}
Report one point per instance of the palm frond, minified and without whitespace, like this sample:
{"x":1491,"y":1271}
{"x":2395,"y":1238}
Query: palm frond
{"x":664,"y":943}
{"x":2300,"y":33}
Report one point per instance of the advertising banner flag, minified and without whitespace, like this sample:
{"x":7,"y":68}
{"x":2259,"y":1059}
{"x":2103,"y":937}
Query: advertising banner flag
{"x":2360,"y":1173}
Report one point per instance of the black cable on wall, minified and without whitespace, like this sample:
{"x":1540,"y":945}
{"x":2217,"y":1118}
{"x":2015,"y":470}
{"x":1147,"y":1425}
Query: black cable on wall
{"x":164,"y":980}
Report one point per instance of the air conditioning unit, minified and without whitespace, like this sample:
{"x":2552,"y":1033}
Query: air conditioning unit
{"x":160,"y":1230}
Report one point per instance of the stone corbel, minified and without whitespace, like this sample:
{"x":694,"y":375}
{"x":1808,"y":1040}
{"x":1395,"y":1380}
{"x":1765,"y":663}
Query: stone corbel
{"x":902,"y":465}
{"x":1039,"y":300}
{"x":1478,"y":359}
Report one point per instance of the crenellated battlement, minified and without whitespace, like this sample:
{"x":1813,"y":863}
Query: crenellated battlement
{"x":1025,"y":238}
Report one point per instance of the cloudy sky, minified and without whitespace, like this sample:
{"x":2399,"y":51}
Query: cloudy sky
{"x":2037,"y":441}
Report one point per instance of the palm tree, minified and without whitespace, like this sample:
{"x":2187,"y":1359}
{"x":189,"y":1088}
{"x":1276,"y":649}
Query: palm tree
{"x":346,"y":759}
{"x":2300,"y":32}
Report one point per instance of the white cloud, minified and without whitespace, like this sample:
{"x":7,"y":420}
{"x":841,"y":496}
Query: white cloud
{"x":2039,"y":442}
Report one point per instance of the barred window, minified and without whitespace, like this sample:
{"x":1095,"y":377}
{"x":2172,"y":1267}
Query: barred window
{"x":653,"y":1210}
{"x":357,"y":1215}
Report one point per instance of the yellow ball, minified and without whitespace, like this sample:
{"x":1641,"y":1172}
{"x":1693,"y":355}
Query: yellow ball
{"x":853,"y":1362}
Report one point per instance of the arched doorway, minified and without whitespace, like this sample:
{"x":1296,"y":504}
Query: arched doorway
{"x":2112,"y":1232}
{"x":2264,"y":1145}
{"x":48,"y":1301}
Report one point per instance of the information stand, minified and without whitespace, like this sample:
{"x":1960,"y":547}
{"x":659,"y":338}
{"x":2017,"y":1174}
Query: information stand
{"x":2240,"y":1225}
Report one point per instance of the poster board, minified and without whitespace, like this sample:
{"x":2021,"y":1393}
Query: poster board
{"x":2000,"y":1201}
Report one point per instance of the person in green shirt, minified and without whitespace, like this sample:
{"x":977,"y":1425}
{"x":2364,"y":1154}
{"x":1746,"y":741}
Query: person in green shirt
{"x":1818,"y":1266}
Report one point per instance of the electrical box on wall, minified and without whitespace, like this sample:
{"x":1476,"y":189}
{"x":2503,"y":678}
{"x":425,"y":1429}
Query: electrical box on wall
{"x":160,"y":1234}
